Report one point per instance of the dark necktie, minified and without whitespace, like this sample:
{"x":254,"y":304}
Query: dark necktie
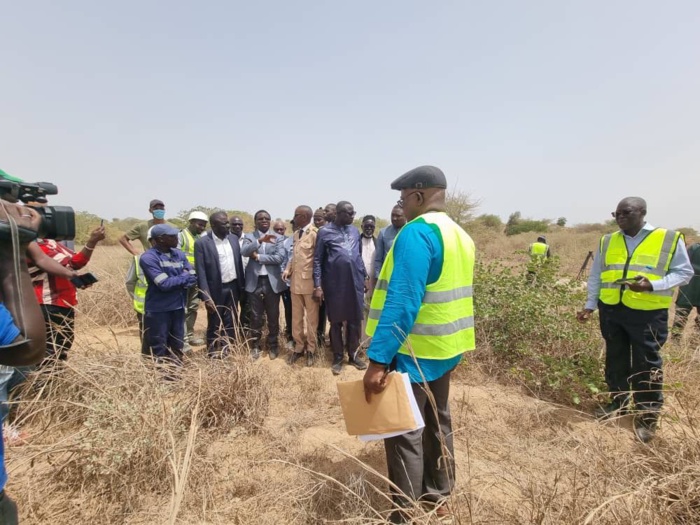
{"x":301,"y":232}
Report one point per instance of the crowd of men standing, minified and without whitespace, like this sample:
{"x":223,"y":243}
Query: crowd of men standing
{"x":325,"y":271}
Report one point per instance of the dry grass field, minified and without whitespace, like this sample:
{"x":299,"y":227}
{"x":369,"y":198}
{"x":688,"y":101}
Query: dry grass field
{"x":237,"y":442}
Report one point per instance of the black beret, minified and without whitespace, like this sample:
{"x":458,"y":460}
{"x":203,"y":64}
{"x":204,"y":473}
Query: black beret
{"x":420,"y":178}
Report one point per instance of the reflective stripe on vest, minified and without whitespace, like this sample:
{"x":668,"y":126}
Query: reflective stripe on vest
{"x":650,"y":259}
{"x":444,"y":327}
{"x":188,"y":245}
{"x":538,"y":249}
{"x":139,"y":288}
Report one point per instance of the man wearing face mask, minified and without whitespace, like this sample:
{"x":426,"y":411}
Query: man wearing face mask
{"x":157,"y":209}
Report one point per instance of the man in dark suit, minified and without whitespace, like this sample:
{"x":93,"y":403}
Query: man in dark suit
{"x":263,"y":282}
{"x":217,"y":259}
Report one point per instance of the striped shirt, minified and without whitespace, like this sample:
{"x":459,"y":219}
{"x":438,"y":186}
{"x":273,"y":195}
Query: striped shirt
{"x":52,"y":290}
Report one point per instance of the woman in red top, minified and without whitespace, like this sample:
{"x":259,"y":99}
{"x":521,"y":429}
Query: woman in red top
{"x":51,"y":266}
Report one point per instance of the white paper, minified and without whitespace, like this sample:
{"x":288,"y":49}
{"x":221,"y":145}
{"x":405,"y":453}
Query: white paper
{"x":416,"y":415}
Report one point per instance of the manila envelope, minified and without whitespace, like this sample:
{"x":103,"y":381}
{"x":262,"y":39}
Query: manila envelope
{"x":387,"y":412}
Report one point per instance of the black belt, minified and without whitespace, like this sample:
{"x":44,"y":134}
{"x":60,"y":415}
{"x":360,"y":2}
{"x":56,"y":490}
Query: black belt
{"x":228,"y":283}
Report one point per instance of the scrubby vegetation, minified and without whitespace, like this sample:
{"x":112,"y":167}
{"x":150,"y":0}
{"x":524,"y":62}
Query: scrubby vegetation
{"x":240,"y":442}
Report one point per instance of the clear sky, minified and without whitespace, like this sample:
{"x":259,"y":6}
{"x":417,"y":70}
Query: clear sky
{"x":551,"y":107}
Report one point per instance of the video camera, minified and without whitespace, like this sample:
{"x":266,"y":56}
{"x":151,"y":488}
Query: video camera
{"x":57,"y":222}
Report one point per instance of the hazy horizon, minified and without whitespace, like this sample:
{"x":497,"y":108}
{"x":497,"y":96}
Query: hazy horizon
{"x":554,"y":109}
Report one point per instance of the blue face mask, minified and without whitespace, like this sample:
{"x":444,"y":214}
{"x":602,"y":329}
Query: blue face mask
{"x":159,"y":214}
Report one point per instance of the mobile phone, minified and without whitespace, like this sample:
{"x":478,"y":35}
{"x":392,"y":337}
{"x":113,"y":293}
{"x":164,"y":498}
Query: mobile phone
{"x":84,"y":280}
{"x":626,"y":280}
{"x":102,"y":222}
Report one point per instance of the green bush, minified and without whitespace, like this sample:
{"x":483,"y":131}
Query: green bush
{"x":530,"y":329}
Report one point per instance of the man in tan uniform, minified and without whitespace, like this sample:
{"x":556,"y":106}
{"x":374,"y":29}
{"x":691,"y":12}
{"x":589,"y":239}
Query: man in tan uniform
{"x":300,"y":273}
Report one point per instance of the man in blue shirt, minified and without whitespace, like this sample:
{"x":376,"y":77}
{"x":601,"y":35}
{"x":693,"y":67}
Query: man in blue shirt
{"x":169,"y":275}
{"x":431,"y":252}
{"x":385,"y":240}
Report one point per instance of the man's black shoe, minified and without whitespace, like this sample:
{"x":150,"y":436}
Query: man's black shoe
{"x":293,"y":357}
{"x":310,"y":359}
{"x":274,"y":352}
{"x":357,"y":363}
{"x":399,"y":516}
{"x":645,"y":427}
{"x":337,"y":366}
{"x":611,"y":410}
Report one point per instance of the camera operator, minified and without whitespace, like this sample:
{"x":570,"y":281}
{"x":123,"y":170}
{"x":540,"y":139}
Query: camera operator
{"x":51,"y":266}
{"x":22,"y":331}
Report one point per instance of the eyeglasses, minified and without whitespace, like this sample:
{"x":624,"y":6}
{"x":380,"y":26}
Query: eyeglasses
{"x":280,"y":230}
{"x":622,"y":213}
{"x":236,"y":224}
{"x":402,"y":200}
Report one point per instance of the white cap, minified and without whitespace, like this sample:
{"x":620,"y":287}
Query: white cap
{"x":198,"y":215}
{"x":148,"y":235}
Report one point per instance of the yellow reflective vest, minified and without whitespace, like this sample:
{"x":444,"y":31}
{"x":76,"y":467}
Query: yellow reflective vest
{"x":444,"y":327}
{"x":538,"y":249}
{"x":139,"y":288}
{"x":651,"y":259}
{"x":188,"y":245}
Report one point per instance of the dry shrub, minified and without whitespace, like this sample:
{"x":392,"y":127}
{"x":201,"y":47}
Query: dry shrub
{"x":230,"y":392}
{"x":115,"y":429}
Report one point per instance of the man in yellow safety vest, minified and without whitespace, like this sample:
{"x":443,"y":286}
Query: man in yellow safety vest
{"x":136,"y":285}
{"x":197,"y":223}
{"x":634,"y":272}
{"x":421,"y":320}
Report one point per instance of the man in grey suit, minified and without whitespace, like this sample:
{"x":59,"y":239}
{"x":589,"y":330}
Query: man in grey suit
{"x":263,"y":282}
{"x":217,"y":260}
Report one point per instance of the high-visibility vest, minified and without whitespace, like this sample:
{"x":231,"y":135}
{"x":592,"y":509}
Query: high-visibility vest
{"x":538,"y":249}
{"x":188,"y":245}
{"x":444,"y":327}
{"x":651,"y":259}
{"x":140,"y":288}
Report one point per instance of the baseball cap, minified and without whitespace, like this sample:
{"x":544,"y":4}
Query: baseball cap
{"x":155,"y":202}
{"x":163,"y":229}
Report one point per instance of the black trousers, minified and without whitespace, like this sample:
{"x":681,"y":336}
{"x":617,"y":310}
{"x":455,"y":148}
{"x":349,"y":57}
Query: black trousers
{"x":60,"y":332}
{"x":287,"y":302}
{"x":264,"y":300}
{"x":351,"y":341}
{"x":417,"y":462}
{"x":633,"y":341}
{"x":145,"y":349}
{"x":222,"y":325}
{"x":321,"y":331}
